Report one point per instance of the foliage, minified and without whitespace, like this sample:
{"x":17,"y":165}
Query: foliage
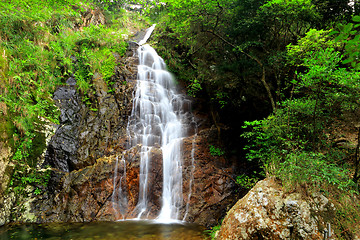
{"x":349,"y":36}
{"x":288,"y":19}
{"x":213,"y":231}
{"x":194,"y":87}
{"x":316,"y":171}
{"x":334,"y":11}
{"x":24,"y":177}
{"x":108,"y":65}
{"x":247,"y":181}
{"x":313,"y":41}
{"x":244,"y":56}
{"x":228,"y":46}
{"x":346,"y":216}
{"x":215,"y":151}
{"x":289,"y":160}
{"x":292,"y":143}
{"x":42,"y":44}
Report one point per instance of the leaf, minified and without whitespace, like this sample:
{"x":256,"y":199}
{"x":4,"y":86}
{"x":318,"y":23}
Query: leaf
{"x":348,"y":27}
{"x":356,"y":18}
{"x":346,"y":61}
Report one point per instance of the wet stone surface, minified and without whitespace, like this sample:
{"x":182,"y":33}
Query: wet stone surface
{"x":87,"y":145}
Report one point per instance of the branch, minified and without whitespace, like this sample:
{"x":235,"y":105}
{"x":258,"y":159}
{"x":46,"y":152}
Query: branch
{"x":263,"y":80}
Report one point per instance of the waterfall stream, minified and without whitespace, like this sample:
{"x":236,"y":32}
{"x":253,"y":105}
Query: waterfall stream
{"x":160,"y":119}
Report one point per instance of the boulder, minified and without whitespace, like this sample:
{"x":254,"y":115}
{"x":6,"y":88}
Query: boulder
{"x":268,"y":212}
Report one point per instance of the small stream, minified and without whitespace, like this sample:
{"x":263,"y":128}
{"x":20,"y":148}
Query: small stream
{"x":122,"y":230}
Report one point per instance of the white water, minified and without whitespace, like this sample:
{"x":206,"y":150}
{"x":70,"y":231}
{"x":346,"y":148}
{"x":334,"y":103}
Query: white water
{"x":154,"y":122}
{"x":147,"y":34}
{"x":159,"y":119}
{"x":118,"y":195}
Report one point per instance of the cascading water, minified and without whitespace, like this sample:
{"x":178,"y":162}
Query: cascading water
{"x":157,"y":124}
{"x":158,"y":120}
{"x":118,"y":196}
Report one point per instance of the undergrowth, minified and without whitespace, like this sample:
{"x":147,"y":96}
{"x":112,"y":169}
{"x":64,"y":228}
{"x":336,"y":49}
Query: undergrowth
{"x":42,"y":44}
{"x":213,"y":231}
{"x":346,"y":219}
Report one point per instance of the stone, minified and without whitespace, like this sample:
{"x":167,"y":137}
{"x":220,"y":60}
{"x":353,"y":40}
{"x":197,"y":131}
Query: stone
{"x":87,"y":194}
{"x":268,"y":212}
{"x":84,"y":135}
{"x":5,"y":166}
{"x":85,"y":148}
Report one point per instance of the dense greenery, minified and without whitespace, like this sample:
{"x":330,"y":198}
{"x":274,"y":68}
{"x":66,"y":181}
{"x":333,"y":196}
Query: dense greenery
{"x":285,"y":70}
{"x":42,"y":44}
{"x":288,"y":71}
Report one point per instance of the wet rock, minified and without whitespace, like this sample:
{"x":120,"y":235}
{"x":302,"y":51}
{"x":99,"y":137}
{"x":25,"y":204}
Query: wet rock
{"x":87,"y":194}
{"x":5,"y":151}
{"x":5,"y":167}
{"x":62,"y":148}
{"x":89,"y":144}
{"x":266,"y":212}
{"x":81,"y":195}
{"x":81,"y":141}
{"x":209,"y":186}
{"x":103,"y":132}
{"x":7,"y":204}
{"x":71,"y":81}
{"x":87,"y":133}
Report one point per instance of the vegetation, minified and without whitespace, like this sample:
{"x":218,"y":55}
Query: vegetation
{"x":285,"y":70}
{"x":247,"y":181}
{"x":288,"y":71}
{"x":215,"y":151}
{"x":42,"y":44}
{"x":214,"y":231}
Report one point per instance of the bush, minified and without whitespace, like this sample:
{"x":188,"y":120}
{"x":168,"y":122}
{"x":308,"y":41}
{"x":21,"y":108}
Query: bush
{"x":41,"y":46}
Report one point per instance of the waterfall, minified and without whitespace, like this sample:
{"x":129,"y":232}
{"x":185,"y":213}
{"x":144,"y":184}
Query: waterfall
{"x":118,"y":195}
{"x":160,"y":119}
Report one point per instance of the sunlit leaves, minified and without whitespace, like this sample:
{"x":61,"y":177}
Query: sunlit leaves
{"x":349,"y":36}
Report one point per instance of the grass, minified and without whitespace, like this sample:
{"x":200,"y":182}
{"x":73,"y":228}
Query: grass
{"x":42,"y":44}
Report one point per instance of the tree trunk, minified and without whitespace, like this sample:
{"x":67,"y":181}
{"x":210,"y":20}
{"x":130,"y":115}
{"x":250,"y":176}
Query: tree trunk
{"x":263,"y":76}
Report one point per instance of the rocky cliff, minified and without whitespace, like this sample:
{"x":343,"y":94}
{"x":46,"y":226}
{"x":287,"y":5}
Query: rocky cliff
{"x":84,"y":151}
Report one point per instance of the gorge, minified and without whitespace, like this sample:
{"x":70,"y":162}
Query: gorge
{"x":238,"y":117}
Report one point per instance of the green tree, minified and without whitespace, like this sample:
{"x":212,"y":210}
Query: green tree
{"x":295,"y":142}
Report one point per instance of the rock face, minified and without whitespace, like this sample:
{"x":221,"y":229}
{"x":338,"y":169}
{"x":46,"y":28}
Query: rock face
{"x":80,"y":195}
{"x":5,"y":167}
{"x":87,"y":194}
{"x":88,"y":145}
{"x":85,"y":135}
{"x":266,"y":212}
{"x":62,"y":149}
{"x":5,"y":152}
{"x":93,"y":16}
{"x":212,"y":181}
